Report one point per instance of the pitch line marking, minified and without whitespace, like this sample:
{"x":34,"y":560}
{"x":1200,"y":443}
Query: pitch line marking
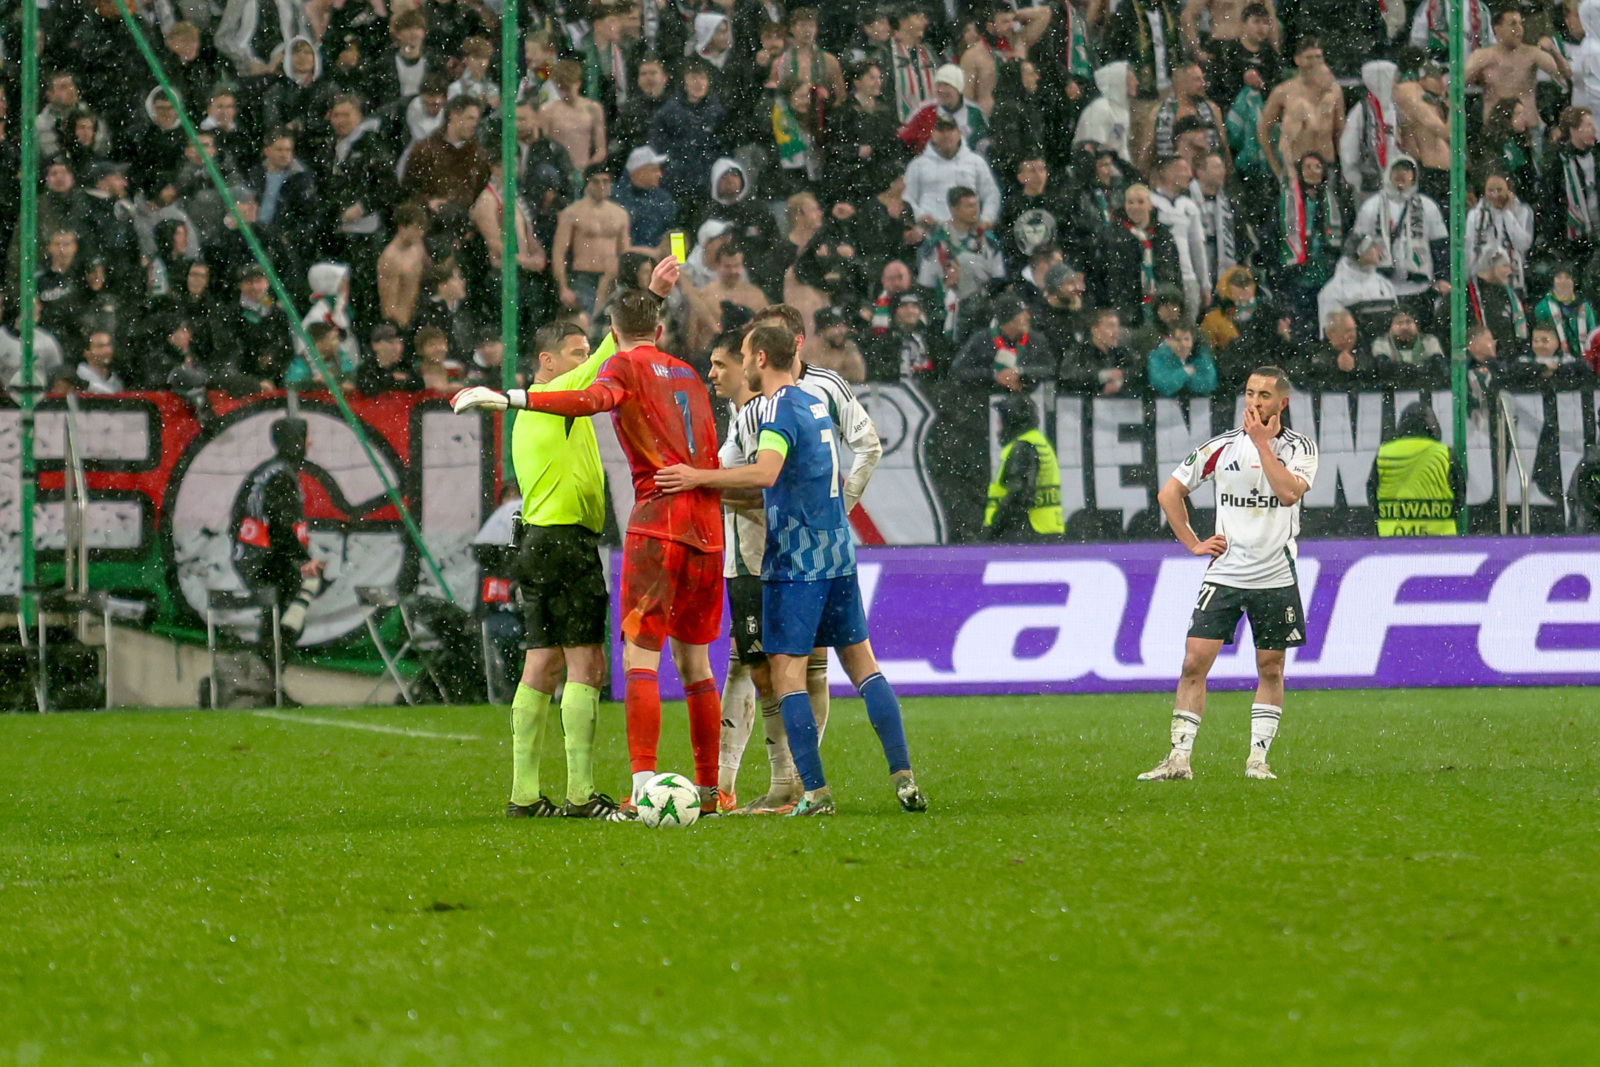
{"x":376,"y":728}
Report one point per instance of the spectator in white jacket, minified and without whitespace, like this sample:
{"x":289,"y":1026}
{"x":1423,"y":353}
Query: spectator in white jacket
{"x":1500,"y":221}
{"x":255,"y":34}
{"x":1357,"y":286}
{"x":1412,"y":239}
{"x":1107,"y":120}
{"x":946,"y":164}
{"x":1585,"y":59}
{"x":1169,"y":195}
{"x":1370,"y":141}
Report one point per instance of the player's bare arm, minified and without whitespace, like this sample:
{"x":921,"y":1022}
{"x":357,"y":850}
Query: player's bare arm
{"x":1173,"y":499}
{"x":761,"y":474}
{"x":1288,"y":488}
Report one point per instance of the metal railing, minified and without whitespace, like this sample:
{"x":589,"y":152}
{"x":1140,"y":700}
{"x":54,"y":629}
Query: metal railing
{"x":75,"y":504}
{"x":1506,"y":439}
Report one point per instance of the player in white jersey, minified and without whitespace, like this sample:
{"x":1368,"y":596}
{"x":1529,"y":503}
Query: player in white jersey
{"x":746,"y":528}
{"x":1261,"y":471}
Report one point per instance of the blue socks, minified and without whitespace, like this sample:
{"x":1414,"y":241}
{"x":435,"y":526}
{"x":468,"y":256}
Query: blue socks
{"x":801,"y":726}
{"x":883,"y":711}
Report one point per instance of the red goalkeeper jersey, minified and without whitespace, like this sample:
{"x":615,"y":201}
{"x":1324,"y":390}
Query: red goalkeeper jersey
{"x":663,"y":417}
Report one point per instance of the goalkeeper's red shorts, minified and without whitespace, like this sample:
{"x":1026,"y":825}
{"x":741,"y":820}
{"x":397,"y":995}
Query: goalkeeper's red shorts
{"x":669,"y":590}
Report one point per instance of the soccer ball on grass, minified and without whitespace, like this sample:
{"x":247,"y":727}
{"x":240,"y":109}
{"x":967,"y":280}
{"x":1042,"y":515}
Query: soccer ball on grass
{"x":669,"y":800}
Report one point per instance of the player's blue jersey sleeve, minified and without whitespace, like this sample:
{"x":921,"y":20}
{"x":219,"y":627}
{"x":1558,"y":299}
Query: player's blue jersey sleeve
{"x":778,"y":417}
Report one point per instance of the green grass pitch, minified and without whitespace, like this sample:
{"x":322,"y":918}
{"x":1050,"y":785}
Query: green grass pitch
{"x":1422,"y":886}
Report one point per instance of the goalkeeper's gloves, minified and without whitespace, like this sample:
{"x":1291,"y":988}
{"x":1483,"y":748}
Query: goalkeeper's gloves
{"x":481,"y":397}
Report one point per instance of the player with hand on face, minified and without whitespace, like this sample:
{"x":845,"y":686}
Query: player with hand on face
{"x":810,"y":596}
{"x":1261,"y":471}
{"x":672,"y":556}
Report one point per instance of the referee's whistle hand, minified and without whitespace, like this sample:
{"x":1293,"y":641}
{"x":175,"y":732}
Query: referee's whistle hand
{"x":677,"y":478}
{"x":1213,"y":546}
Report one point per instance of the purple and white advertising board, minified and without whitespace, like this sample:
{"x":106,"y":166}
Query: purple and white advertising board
{"x":1112,"y":618}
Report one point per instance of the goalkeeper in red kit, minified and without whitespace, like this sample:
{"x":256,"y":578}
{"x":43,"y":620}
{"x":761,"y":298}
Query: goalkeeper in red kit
{"x":672,"y":558}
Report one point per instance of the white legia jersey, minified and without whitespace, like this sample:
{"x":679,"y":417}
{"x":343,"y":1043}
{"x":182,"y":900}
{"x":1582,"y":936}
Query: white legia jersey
{"x":854,"y":425}
{"x":744,"y":532}
{"x":1259,"y":528}
{"x":748,"y":529}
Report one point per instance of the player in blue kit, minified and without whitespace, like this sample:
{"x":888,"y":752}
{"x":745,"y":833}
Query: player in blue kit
{"x":809,"y":596}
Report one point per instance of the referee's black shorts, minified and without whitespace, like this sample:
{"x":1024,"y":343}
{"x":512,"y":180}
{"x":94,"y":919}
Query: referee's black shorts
{"x":744,"y":601}
{"x":1276,"y":618}
{"x":563,"y":587}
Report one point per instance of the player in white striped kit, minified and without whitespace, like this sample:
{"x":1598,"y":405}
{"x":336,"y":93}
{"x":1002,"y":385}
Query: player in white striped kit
{"x":1261,"y":471}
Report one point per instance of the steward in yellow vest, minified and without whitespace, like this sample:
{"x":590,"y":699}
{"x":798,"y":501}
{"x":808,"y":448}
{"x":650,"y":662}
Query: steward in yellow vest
{"x":1025,"y":497}
{"x":1415,"y":485}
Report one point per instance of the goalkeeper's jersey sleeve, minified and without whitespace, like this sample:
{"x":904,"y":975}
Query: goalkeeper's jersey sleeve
{"x":557,"y":458}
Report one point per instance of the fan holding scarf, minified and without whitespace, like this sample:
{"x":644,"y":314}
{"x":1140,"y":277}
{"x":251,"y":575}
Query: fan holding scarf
{"x":1412,"y":238}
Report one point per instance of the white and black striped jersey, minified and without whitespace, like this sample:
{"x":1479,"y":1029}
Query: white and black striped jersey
{"x":855,"y":427}
{"x":1260,"y":529}
{"x":745,"y":533}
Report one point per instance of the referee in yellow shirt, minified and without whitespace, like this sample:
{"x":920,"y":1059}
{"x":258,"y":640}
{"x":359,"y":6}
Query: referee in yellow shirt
{"x":558,"y":569}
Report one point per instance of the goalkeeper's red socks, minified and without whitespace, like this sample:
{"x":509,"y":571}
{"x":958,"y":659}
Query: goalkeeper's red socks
{"x":642,"y":701}
{"x":705,"y":729}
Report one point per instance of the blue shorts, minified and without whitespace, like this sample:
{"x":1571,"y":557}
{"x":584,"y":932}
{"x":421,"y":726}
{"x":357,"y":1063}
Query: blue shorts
{"x":799,"y":616}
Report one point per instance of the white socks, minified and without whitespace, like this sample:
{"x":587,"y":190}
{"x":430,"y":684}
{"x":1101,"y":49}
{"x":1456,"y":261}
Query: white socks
{"x":738,"y":719}
{"x":817,"y":690}
{"x":1263,"y":728}
{"x":1184,"y":726}
{"x":784,"y":775}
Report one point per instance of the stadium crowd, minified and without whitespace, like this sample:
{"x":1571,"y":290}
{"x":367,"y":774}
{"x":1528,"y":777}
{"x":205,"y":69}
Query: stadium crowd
{"x":1125,"y":197}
